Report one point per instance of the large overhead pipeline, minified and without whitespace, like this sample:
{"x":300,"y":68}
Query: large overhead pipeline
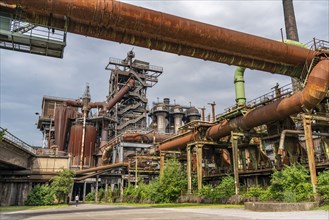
{"x":313,"y":93}
{"x":129,"y":24}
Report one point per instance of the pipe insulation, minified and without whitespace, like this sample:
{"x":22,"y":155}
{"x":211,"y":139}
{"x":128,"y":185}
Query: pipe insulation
{"x":124,"y":23}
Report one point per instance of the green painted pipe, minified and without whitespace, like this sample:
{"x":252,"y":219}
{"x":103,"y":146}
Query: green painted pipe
{"x":240,"y":97}
{"x":295,"y":43}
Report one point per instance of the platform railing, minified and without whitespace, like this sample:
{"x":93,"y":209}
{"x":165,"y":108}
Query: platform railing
{"x":9,"y":137}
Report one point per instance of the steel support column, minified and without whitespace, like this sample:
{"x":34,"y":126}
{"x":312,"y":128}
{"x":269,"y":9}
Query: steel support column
{"x":234,"y":140}
{"x":162,"y":162}
{"x":84,"y":191}
{"x":199,"y":164}
{"x":307,"y":120}
{"x":96,"y":189}
{"x":188,"y":169}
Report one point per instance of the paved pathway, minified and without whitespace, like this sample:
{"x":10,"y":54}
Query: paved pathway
{"x":102,"y":212}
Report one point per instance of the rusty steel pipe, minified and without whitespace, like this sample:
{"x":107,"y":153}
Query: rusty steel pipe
{"x":177,"y":143}
{"x":313,"y":93}
{"x":104,"y":167}
{"x":118,"y":96}
{"x":125,"y":23}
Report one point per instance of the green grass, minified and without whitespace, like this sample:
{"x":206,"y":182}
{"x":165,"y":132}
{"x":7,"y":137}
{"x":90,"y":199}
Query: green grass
{"x":324,"y":207}
{"x":20,"y":208}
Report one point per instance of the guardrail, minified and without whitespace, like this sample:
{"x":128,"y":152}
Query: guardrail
{"x":9,"y":137}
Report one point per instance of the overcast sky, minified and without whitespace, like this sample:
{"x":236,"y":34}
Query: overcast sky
{"x":26,"y":78}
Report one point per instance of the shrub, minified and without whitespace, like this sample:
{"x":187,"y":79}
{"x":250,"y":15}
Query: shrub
{"x":166,"y":189}
{"x":90,"y":197}
{"x":101,"y":194}
{"x":292,"y":184}
{"x":40,"y":195}
{"x":224,"y":190}
{"x":255,"y":192}
{"x":323,"y":184}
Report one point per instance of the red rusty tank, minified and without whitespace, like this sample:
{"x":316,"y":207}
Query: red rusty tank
{"x":75,"y":145}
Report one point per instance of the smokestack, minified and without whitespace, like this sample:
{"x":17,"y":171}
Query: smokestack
{"x":290,"y":20}
{"x":291,"y":32}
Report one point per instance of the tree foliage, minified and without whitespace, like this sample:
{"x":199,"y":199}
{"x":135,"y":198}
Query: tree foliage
{"x":62,"y":184}
{"x":41,"y":195}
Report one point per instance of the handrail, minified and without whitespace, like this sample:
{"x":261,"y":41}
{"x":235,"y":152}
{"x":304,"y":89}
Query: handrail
{"x":16,"y":141}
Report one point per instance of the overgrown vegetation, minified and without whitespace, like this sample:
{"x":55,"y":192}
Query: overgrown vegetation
{"x":163,"y":190}
{"x":62,"y":184}
{"x":2,"y":133}
{"x":323,"y":185}
{"x":59,"y":188}
{"x":90,"y":197}
{"x":292,"y":184}
{"x":41,"y":195}
{"x":221,"y":192}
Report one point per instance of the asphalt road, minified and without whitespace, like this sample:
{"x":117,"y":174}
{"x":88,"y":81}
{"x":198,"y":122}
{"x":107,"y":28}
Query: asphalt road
{"x":105,"y":212}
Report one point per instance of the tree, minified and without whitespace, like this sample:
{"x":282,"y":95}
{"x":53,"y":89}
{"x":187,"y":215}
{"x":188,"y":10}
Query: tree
{"x":62,"y":184}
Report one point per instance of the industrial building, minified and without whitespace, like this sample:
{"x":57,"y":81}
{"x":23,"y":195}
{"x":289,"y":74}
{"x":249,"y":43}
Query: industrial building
{"x":125,"y":139}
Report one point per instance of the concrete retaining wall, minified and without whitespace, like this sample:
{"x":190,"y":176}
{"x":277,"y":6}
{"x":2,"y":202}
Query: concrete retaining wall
{"x":14,"y":193}
{"x":279,"y":207}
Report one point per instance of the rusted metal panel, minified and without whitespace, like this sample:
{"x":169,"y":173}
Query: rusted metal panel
{"x":62,"y":116}
{"x":75,"y":144}
{"x":125,"y":23}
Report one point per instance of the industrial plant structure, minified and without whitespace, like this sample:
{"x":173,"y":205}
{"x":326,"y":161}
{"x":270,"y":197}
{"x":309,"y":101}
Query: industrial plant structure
{"x":122,"y":141}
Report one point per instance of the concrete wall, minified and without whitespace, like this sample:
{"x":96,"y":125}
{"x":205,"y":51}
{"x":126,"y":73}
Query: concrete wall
{"x":50,"y":164}
{"x":14,"y":193}
{"x":279,"y":207}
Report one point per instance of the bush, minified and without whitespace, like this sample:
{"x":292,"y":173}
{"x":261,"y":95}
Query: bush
{"x":292,"y":184}
{"x":101,"y":194}
{"x":166,"y":189}
{"x":323,"y":184}
{"x":41,"y":195}
{"x":254,"y":192}
{"x":224,"y":190}
{"x":90,"y":197}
